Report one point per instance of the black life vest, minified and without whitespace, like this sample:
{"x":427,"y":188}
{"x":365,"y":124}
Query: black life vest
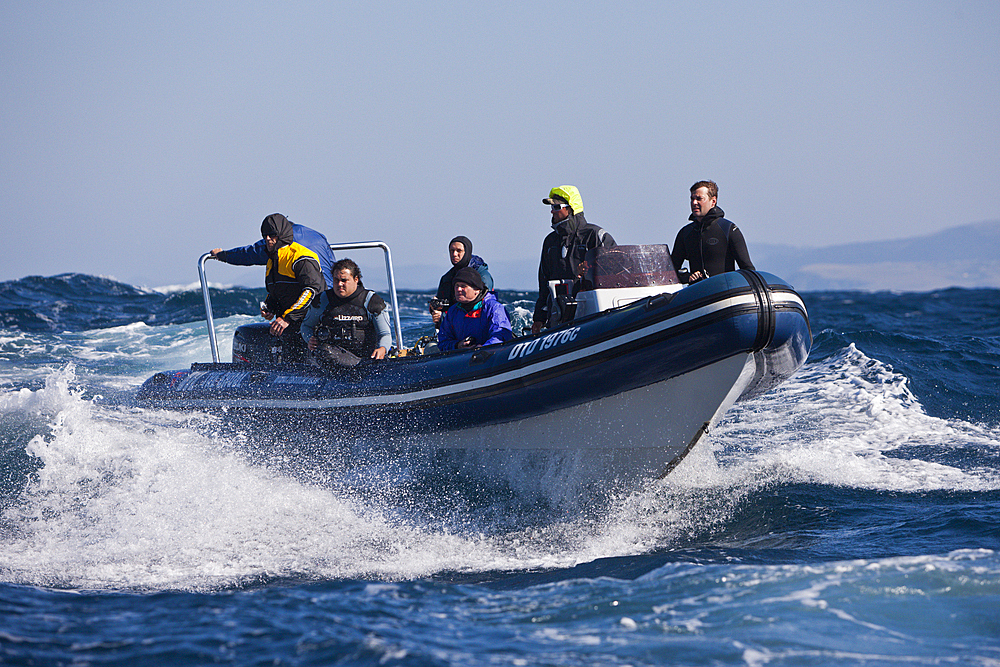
{"x":347,"y":323}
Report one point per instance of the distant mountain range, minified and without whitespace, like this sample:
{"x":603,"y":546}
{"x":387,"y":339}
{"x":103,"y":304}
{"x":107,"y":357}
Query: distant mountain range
{"x":963,"y":256}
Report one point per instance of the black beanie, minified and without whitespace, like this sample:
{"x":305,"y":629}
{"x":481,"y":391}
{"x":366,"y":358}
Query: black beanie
{"x":470,"y":276}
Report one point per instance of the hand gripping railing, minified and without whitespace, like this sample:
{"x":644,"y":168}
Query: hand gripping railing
{"x":333,"y":246}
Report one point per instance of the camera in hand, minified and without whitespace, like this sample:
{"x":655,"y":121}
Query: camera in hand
{"x":439,"y":304}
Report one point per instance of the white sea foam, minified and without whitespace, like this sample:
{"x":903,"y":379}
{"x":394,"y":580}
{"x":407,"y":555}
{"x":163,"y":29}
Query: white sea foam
{"x":128,"y":500}
{"x":188,"y":287}
{"x":849,"y":421}
{"x":132,"y":499}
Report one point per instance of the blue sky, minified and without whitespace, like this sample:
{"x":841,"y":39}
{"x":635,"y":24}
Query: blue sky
{"x":138,"y":135}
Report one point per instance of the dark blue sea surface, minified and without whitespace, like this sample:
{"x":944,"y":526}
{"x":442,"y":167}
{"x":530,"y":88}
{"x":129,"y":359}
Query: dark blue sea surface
{"x":850,"y":516}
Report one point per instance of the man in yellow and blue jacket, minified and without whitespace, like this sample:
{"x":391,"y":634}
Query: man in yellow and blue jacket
{"x":294,"y":278}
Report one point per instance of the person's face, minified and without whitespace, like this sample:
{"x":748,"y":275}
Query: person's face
{"x":465,"y":293}
{"x":456,"y":251}
{"x":344,"y":283}
{"x":271,"y":241}
{"x":561,"y":213}
{"x":701,"y":203}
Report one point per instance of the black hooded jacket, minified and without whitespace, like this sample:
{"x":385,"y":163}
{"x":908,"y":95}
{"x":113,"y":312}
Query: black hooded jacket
{"x":445,"y":291}
{"x":562,"y":252}
{"x":712,"y":245}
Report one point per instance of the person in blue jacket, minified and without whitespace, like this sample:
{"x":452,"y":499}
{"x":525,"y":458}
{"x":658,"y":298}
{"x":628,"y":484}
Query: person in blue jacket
{"x":256,"y":254}
{"x":476,"y":318}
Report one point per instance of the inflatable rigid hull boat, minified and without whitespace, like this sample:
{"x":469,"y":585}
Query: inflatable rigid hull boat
{"x":617,"y":395}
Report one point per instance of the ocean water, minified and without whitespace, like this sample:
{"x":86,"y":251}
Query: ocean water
{"x":850,"y":517}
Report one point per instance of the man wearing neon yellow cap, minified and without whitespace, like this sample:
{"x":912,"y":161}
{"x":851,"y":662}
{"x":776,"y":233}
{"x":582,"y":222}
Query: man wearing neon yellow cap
{"x":565,"y":247}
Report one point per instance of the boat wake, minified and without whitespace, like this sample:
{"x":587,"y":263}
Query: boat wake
{"x":851,"y":421}
{"x":107,"y":497}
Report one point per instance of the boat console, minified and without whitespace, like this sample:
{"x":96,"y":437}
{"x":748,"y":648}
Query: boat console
{"x":613,"y":277}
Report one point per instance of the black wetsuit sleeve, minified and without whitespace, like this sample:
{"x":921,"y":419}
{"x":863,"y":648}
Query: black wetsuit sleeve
{"x":738,"y":246}
{"x":678,"y":255}
{"x":444,"y":288}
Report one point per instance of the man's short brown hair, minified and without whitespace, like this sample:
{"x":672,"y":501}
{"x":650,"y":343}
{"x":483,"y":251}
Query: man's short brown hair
{"x":713,"y":189}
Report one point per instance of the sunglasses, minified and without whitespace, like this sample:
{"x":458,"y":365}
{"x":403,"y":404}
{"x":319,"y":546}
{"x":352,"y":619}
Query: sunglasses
{"x":556,"y":207}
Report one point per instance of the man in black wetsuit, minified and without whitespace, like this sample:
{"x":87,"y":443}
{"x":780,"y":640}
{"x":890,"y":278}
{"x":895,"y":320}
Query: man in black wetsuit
{"x":566,"y":246}
{"x":710,"y":243}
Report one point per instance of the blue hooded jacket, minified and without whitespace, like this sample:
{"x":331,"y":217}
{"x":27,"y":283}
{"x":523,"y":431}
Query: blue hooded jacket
{"x":487,"y":324}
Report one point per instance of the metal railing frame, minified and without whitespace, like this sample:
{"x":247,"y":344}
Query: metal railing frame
{"x":333,"y":246}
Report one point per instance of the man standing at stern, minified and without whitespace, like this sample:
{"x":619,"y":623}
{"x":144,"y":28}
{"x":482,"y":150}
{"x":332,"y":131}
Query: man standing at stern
{"x":710,"y":243}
